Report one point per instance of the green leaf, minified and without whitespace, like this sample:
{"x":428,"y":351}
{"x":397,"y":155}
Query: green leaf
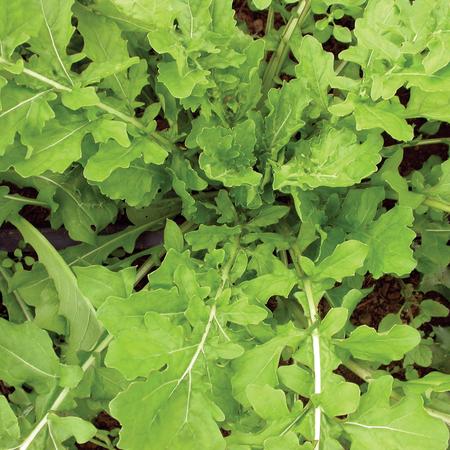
{"x":138,"y":351}
{"x":339,"y":398}
{"x":138,"y":184}
{"x":55,"y":148}
{"x":27,"y":356}
{"x":389,"y":239}
{"x":385,"y":115}
{"x":62,"y":428}
{"x":228,"y":154}
{"x":98,"y":283}
{"x":344,"y":261}
{"x":24,"y":111}
{"x":105,"y":47}
{"x":376,"y":424}
{"x":286,"y":106}
{"x":262,"y":4}
{"x":166,"y":415}
{"x":53,"y":38}
{"x":80,"y":97}
{"x":84,"y":329}
{"x":19,"y":21}
{"x":366,"y":344}
{"x":334,"y":158}
{"x":110,"y":156}
{"x":258,"y":366}
{"x":268,"y":215}
{"x":268,"y":403}
{"x":180,"y":85}
{"x":431,"y":105}
{"x":79,"y":206}
{"x":173,"y":236}
{"x":9,"y":428}
{"x":316,"y":67}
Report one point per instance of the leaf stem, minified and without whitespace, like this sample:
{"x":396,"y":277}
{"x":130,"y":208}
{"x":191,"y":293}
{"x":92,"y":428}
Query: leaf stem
{"x":103,"y":106}
{"x":316,"y":358}
{"x":276,"y":62}
{"x":420,"y":142}
{"x":437,"y":204}
{"x":28,"y":201}
{"x":269,"y":21}
{"x":63,"y":394}
{"x":313,"y":319}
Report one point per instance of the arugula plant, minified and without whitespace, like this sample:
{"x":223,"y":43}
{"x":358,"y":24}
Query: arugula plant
{"x":272,"y":150}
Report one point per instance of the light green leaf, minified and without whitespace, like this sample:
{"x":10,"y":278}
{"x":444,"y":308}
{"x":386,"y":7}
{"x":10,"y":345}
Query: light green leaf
{"x":431,"y":105}
{"x":73,"y":202}
{"x":316,"y":67}
{"x":104,"y":45}
{"x":339,"y":398}
{"x":111,"y":156}
{"x":167,"y":415}
{"x":80,"y":97}
{"x":62,"y":428}
{"x":335,"y":158}
{"x":173,"y":236}
{"x":388,"y":116}
{"x":228,"y":154}
{"x":343,"y":262}
{"x":55,"y":148}
{"x":19,"y":21}
{"x":27,"y":356}
{"x":180,"y":85}
{"x":286,"y":106}
{"x":138,"y":351}
{"x":138,"y":184}
{"x":262,"y":4}
{"x":53,"y":38}
{"x":377,"y":425}
{"x":9,"y":426}
{"x":258,"y":366}
{"x":366,"y":344}
{"x":268,"y":403}
{"x":389,"y":239}
{"x":24,"y":111}
{"x":98,"y":283}
{"x":84,"y":329}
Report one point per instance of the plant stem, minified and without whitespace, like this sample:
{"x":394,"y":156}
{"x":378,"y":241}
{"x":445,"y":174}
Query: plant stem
{"x":28,"y":201}
{"x":269,"y":22}
{"x":149,"y":263}
{"x":63,"y":394}
{"x":313,"y":319}
{"x":316,"y":357}
{"x":437,"y":204}
{"x":420,"y":142}
{"x":276,"y":62}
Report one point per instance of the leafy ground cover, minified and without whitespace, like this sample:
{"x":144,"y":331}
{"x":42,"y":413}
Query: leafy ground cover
{"x":294,"y":155}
